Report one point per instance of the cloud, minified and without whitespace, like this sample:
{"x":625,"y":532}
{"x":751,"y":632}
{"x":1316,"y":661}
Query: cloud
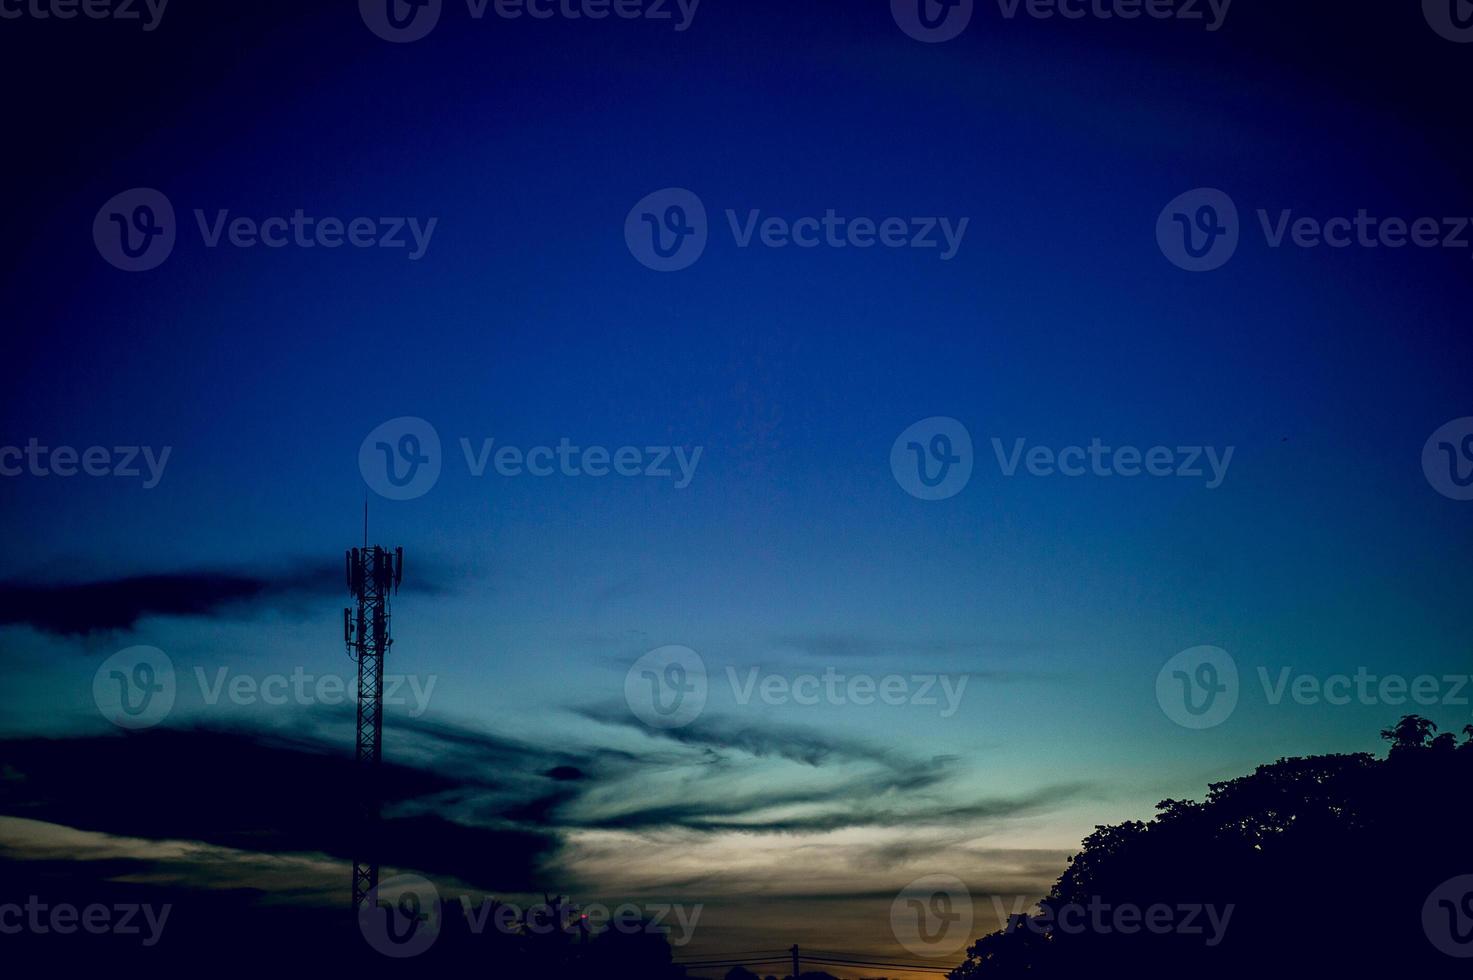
{"x":838,"y":647}
{"x":870,"y":802}
{"x":807,"y":746}
{"x":496,"y":812}
{"x":890,"y":788}
{"x":910,"y":813}
{"x":260,"y":792}
{"x":79,"y":608}
{"x":55,"y":851}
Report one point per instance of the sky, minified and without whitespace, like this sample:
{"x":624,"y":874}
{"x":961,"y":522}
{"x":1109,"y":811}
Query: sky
{"x":789,"y":546}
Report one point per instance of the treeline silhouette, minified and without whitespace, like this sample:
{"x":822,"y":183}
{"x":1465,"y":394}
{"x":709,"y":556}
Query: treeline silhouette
{"x":1326,"y":863}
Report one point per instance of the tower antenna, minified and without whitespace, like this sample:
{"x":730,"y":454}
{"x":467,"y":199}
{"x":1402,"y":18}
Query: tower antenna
{"x":374,"y":575}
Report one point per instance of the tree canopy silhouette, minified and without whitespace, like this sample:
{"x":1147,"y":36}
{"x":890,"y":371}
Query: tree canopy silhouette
{"x":1321,"y":863}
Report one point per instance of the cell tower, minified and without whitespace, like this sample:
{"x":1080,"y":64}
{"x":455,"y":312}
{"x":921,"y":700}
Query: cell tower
{"x":373,"y":574}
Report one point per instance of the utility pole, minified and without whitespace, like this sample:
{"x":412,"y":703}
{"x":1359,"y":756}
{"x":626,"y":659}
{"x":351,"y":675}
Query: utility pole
{"x":795,"y":961}
{"x":373,"y":574}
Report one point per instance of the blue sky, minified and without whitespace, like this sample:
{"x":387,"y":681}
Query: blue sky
{"x":793,"y":549}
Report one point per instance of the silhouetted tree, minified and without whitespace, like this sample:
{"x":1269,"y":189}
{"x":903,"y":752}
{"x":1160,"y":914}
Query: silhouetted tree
{"x":1325,"y":863}
{"x":1411,"y":732}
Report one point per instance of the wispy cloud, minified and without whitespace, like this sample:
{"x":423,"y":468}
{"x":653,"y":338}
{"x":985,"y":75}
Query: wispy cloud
{"x":872,"y":786}
{"x":841,"y":647}
{"x":807,"y":746}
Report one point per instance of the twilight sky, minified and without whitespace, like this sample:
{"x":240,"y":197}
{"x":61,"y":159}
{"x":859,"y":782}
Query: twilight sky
{"x":793,"y":549}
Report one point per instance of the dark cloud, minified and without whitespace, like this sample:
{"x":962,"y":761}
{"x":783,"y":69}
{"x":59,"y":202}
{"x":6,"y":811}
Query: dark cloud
{"x":79,"y":608}
{"x":270,"y":793}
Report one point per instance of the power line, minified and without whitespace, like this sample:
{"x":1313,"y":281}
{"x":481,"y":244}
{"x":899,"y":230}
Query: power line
{"x":911,"y":967}
{"x":825,"y":957}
